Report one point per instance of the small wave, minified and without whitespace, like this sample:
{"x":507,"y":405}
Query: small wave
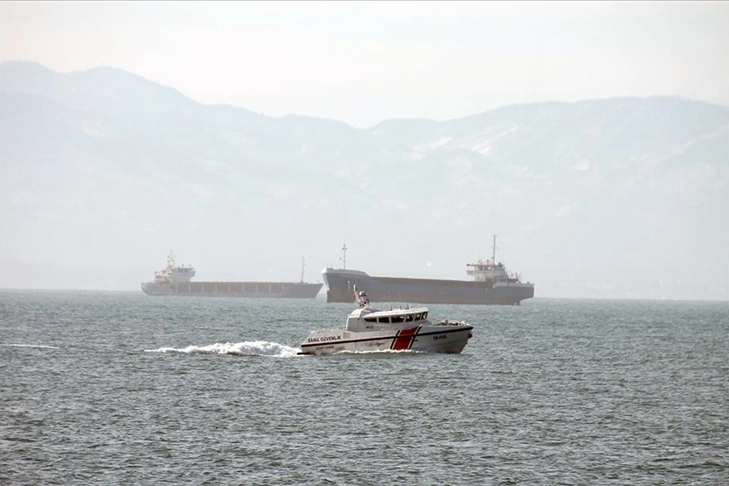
{"x":41,"y":346}
{"x":248,"y":348}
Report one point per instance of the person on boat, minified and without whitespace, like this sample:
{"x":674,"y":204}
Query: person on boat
{"x":364,"y":301}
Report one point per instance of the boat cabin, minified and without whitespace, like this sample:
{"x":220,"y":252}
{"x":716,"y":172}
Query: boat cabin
{"x":370,"y":319}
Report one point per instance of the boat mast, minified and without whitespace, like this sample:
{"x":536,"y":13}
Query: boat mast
{"x":344,"y":256}
{"x":302,"y":270}
{"x":493,"y":254}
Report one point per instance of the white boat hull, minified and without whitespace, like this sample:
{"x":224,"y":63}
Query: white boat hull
{"x":439,"y":338}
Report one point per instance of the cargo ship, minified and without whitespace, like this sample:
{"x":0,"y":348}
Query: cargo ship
{"x":491,"y":285}
{"x":176,"y":280}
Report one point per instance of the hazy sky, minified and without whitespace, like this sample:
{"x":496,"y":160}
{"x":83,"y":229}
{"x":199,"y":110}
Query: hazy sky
{"x":363,"y":62}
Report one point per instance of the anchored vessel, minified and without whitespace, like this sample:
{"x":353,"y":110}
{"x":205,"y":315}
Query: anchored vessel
{"x":491,"y":285}
{"x":176,"y":280}
{"x":370,"y":329}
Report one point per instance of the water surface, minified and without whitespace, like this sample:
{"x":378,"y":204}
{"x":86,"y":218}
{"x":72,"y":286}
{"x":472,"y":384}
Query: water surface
{"x":119,"y":387}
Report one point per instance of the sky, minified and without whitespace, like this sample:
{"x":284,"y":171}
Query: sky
{"x":364,"y":62}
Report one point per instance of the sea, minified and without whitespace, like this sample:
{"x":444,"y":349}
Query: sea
{"x":102,"y":388}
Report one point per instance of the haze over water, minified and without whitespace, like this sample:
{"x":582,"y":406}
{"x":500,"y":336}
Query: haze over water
{"x":245,"y":136}
{"x":118,"y":387}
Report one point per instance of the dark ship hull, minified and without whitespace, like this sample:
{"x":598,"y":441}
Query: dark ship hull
{"x":293,"y":290}
{"x":341,"y":282}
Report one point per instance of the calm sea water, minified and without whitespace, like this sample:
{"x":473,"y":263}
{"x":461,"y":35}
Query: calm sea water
{"x":121,"y":388}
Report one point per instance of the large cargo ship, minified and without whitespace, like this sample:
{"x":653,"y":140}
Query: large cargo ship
{"x":176,"y":280}
{"x":491,"y":285}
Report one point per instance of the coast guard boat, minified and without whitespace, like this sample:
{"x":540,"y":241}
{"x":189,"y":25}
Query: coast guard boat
{"x":371,"y":329}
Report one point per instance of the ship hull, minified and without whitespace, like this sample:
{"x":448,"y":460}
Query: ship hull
{"x":427,"y":339}
{"x":289,"y":290}
{"x":340,"y":283}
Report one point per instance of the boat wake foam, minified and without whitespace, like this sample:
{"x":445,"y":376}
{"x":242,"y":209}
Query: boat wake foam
{"x":382,"y":351}
{"x":247,"y":348}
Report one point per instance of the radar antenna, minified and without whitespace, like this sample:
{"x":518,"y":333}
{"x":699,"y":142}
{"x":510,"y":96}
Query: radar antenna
{"x":344,"y":256}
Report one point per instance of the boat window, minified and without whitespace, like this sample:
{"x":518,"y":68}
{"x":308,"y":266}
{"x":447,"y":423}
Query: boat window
{"x":396,"y":319}
{"x":384,"y":320}
{"x":370,"y":319}
{"x":409,"y":318}
{"x":425,"y":315}
{"x":418,"y":317}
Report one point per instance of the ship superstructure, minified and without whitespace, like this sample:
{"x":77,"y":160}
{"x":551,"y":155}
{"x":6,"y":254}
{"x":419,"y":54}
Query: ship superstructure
{"x":173,"y":273}
{"x":490,"y":272}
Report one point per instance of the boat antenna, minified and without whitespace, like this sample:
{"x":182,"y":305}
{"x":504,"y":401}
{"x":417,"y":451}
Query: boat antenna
{"x":344,"y":256}
{"x":493,"y":255}
{"x":302,"y":269}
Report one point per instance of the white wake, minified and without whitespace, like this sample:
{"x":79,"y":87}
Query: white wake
{"x":247,"y":348}
{"x":42,"y":346}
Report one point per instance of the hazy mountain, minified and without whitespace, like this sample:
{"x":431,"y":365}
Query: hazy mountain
{"x":103,"y":172}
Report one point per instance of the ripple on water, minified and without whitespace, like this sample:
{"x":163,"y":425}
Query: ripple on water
{"x":119,"y":388}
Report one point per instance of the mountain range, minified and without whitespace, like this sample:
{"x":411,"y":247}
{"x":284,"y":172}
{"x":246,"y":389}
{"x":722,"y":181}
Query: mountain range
{"x":102,"y":172}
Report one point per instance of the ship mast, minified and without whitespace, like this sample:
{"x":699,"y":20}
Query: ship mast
{"x":302,"y":270}
{"x":493,"y":254}
{"x":344,"y":256}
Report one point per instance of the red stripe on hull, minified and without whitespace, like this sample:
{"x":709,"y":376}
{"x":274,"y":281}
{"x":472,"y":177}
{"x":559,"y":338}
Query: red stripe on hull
{"x":404,"y":338}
